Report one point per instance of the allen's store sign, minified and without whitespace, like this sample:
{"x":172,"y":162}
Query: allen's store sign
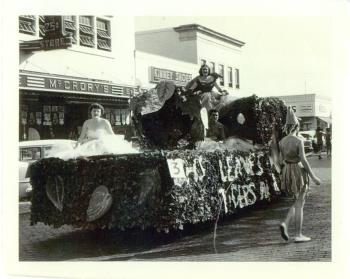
{"x":157,"y":74}
{"x":72,"y":85}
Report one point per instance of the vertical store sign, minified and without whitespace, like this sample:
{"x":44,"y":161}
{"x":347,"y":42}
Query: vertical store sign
{"x":53,"y":27}
{"x":54,"y":38}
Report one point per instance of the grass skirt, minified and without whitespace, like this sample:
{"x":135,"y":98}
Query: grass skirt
{"x":294,"y":179}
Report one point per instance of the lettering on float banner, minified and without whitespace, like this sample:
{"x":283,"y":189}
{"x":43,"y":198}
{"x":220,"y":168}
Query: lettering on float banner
{"x":72,"y":85}
{"x":230,"y":167}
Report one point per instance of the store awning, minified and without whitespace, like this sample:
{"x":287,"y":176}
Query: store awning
{"x":76,"y":98}
{"x":325,"y":119}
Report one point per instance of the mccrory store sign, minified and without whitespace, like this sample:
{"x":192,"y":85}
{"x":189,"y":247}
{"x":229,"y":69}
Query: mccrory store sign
{"x":157,"y":74}
{"x":72,"y":86}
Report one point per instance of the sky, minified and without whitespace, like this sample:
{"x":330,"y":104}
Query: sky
{"x":282,"y":55}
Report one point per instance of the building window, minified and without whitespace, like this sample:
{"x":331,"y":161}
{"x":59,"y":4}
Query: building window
{"x":306,"y":108}
{"x":221,"y":72}
{"x":27,"y":24}
{"x":86,"y":31}
{"x":306,"y":126}
{"x":230,"y":77}
{"x":117,"y":117}
{"x":212,"y":67}
{"x":70,"y":27}
{"x":103,"y":34}
{"x":41,"y":26}
{"x":237,"y":78}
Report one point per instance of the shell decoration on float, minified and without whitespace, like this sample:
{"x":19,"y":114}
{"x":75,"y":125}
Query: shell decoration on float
{"x":240,"y":118}
{"x":100,"y":202}
{"x":55,"y":191}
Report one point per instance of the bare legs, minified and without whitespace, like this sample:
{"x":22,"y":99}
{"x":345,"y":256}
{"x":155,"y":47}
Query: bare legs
{"x":299,"y":214}
{"x":297,"y":211}
{"x":320,"y":151}
{"x":291,"y":213}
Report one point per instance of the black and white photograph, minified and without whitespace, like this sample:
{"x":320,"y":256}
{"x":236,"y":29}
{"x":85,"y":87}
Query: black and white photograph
{"x":175,"y":139}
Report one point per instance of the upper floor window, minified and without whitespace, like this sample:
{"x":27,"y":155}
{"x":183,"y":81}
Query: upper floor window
{"x":87,"y":35}
{"x":212,"y":67}
{"x":221,"y":72}
{"x":229,"y":76}
{"x":89,"y":31}
{"x":27,"y":24}
{"x":103,"y":34}
{"x":70,"y":27}
{"x":86,"y":20}
{"x":41,"y":26}
{"x":237,"y":78}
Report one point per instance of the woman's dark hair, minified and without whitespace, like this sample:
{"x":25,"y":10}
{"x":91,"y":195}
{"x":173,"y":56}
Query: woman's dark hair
{"x":201,"y":69}
{"x":212,"y":111}
{"x":96,"y":106}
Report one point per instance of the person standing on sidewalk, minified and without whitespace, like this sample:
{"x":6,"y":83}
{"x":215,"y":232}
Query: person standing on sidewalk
{"x":328,"y":142}
{"x":319,"y":140}
{"x":294,"y":176}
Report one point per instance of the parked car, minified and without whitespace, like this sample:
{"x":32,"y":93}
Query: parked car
{"x":309,"y":133}
{"x":29,"y":152}
{"x":308,"y":146}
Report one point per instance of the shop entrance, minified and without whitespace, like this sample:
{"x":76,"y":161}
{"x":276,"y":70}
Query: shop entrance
{"x":45,"y":115}
{"x":76,"y":115}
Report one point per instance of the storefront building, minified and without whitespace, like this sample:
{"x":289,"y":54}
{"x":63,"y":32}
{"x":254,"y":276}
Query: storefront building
{"x":150,"y":69}
{"x":69,"y":62}
{"x":179,"y":52}
{"x":56,"y":106}
{"x":313,"y":110}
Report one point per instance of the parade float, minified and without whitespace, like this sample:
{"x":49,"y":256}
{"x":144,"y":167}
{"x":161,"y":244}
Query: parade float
{"x":176,"y":178}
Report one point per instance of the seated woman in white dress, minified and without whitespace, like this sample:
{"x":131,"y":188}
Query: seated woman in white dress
{"x":96,"y":127}
{"x":96,"y":138}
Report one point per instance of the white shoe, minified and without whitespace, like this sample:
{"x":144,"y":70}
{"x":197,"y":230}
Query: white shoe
{"x":302,"y":238}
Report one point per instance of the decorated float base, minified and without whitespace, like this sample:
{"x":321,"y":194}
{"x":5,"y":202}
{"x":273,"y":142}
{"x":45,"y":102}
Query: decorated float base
{"x":158,"y":190}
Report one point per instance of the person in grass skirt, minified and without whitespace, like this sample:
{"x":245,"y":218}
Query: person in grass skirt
{"x":294,"y":176}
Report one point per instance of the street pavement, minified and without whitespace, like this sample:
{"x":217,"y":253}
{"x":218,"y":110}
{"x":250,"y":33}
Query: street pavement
{"x":252,"y":236}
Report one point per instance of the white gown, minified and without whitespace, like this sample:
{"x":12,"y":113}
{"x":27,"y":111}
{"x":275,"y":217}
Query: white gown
{"x":231,"y":143}
{"x":97,"y":143}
